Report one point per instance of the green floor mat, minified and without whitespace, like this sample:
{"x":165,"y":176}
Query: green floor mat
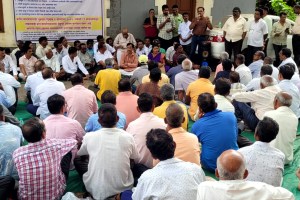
{"x":290,"y":181}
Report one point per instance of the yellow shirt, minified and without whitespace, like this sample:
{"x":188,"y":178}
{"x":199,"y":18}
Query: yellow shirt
{"x":107,"y":80}
{"x":196,"y":88}
{"x":164,"y":79}
{"x":160,"y":111}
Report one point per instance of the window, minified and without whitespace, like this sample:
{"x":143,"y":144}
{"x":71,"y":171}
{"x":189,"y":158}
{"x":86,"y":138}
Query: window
{"x":1,"y":17}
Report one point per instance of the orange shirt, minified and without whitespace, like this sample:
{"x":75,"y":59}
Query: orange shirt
{"x":129,"y":61}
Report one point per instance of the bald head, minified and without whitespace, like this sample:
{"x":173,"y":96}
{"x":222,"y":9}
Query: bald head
{"x":39,"y":65}
{"x":47,"y":73}
{"x":174,"y":115}
{"x":231,"y":166}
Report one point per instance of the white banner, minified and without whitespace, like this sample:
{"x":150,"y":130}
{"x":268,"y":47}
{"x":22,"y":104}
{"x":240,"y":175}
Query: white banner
{"x":74,"y":19}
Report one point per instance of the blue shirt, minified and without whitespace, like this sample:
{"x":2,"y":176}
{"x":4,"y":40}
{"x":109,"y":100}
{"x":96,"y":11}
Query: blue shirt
{"x":93,"y":124}
{"x":11,"y":139}
{"x":255,"y":68}
{"x":217,"y":132}
{"x":4,"y":100}
{"x":172,"y":73}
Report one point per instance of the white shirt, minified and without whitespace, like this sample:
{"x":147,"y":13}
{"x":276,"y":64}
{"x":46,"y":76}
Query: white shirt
{"x":40,"y":51}
{"x":264,"y":163}
{"x":254,"y":84}
{"x":289,"y":87}
{"x":71,"y":67}
{"x":261,"y":100}
{"x":275,"y":72}
{"x":46,"y":89}
{"x":257,"y":30}
{"x":102,"y":57}
{"x":9,"y":83}
{"x":245,"y":74}
{"x":288,"y":124}
{"x":110,"y":151}
{"x":234,"y":28}
{"x":59,"y":55}
{"x":224,"y":104}
{"x":33,"y":81}
{"x":53,"y":63}
{"x":170,"y":179}
{"x":241,"y":190}
{"x":9,"y":65}
{"x":170,"y":53}
{"x":184,"y":78}
{"x":143,"y":51}
{"x":185,"y":32}
{"x":269,"y":23}
{"x":289,"y":60}
{"x":108,"y":47}
{"x":139,"y":129}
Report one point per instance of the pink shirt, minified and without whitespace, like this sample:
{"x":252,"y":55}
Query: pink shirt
{"x":127,"y":104}
{"x":60,"y":127}
{"x":81,"y":103}
{"x":139,"y":129}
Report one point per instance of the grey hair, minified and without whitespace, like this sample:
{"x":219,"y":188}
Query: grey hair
{"x":109,"y":62}
{"x":226,"y":175}
{"x":187,"y":64}
{"x":167,"y":92}
{"x":267,"y":81}
{"x":47,"y":49}
{"x":224,"y":55}
{"x":284,"y":98}
{"x":174,"y":115}
{"x":268,"y":60}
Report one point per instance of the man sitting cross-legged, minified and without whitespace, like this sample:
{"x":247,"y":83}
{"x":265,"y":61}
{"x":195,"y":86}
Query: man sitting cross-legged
{"x":110,"y":151}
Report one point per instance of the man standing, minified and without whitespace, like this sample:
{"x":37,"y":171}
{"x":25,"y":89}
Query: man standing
{"x":142,"y":125}
{"x":166,"y":25}
{"x":72,"y":64}
{"x":231,"y":171}
{"x":258,"y":33}
{"x":46,"y":89}
{"x":81,"y":102}
{"x":264,"y":163}
{"x":48,"y":159}
{"x":269,"y":23}
{"x":178,"y":20}
{"x":185,"y":34}
{"x":296,"y":36}
{"x":171,"y":178}
{"x":288,"y":124}
{"x":279,"y":34}
{"x":121,"y":41}
{"x":234,"y":32}
{"x":110,"y":173}
{"x":150,"y":25}
{"x":199,"y":26}
{"x":213,"y":143}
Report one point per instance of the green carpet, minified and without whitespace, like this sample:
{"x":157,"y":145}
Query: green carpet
{"x":290,"y":181}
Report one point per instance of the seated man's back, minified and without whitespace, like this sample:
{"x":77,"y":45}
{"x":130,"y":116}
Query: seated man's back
{"x":216,"y":131}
